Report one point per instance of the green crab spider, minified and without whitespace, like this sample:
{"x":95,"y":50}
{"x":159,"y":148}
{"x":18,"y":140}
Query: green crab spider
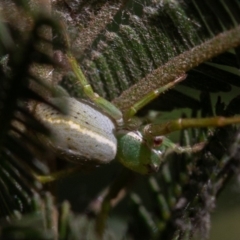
{"x":96,"y":131}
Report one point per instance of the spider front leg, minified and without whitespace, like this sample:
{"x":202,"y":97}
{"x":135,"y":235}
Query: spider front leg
{"x":151,"y":96}
{"x":168,"y":144}
{"x":102,"y":103}
{"x":153,"y":130}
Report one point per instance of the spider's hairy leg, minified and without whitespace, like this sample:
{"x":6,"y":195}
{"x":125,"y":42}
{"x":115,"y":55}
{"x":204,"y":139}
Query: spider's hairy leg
{"x":151,"y":96}
{"x":105,"y":105}
{"x":153,"y":130}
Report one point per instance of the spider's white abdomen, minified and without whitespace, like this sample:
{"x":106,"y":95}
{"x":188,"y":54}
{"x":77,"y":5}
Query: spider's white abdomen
{"x":84,"y":133}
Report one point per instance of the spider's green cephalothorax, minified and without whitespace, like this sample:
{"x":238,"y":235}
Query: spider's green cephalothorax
{"x":135,"y":153}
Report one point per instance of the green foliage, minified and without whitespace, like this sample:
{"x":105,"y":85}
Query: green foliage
{"x":126,"y":48}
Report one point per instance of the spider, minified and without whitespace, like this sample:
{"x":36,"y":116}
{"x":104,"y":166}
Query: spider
{"x":96,"y":131}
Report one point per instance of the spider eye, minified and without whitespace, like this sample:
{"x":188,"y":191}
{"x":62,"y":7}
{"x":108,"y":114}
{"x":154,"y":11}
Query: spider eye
{"x":157,"y":141}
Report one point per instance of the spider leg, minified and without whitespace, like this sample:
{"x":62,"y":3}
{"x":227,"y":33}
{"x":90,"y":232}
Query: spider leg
{"x":102,"y":103}
{"x":167,"y":143}
{"x":106,"y":106}
{"x":153,"y":130}
{"x":151,"y":96}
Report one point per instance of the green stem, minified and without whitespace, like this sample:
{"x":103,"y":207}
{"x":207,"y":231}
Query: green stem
{"x":178,"y":66}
